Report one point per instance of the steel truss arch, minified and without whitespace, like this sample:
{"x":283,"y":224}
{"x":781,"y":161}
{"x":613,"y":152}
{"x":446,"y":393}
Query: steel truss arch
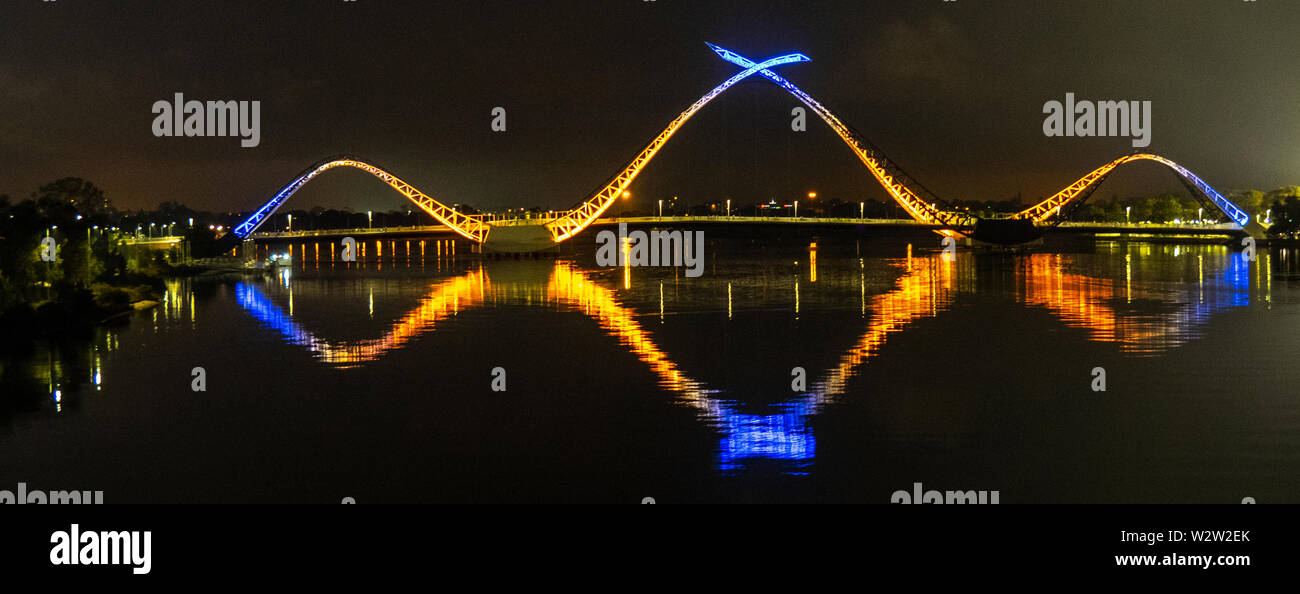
{"x":1052,"y":204}
{"x":572,"y":222}
{"x":891,"y":177}
{"x":470,"y":227}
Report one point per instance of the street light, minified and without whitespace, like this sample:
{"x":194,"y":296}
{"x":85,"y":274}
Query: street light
{"x":1198,"y":215}
{"x":369,"y":219}
{"x":796,"y":209}
{"x":728,"y":207}
{"x":862,"y":208}
{"x":290,"y":227}
{"x":661,"y":208}
{"x":1127,"y":211}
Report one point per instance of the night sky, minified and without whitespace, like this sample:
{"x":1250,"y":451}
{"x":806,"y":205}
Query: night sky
{"x":952,"y":91}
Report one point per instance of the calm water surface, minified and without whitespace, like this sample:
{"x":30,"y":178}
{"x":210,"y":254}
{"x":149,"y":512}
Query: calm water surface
{"x":375,"y":382}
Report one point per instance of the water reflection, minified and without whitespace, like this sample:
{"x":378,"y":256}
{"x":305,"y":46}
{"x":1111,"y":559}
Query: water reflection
{"x":1143,"y":317}
{"x":446,"y":299}
{"x":1146,"y":313}
{"x":1145,"y":300}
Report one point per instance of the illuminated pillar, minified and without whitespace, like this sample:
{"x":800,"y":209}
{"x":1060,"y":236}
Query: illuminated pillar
{"x":812,"y":262}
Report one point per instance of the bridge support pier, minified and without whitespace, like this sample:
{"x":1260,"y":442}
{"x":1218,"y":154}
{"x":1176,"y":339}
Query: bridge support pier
{"x":518,"y":239}
{"x":1255,"y":230}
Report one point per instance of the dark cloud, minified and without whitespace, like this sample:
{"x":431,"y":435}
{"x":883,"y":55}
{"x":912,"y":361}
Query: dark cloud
{"x":953,"y":91}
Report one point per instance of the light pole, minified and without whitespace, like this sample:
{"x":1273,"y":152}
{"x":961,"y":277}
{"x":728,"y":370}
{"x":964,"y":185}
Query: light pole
{"x":369,"y":219}
{"x":1127,"y":211}
{"x":862,"y":208}
{"x":728,"y":208}
{"x":150,"y":230}
{"x":290,"y":225}
{"x":1198,"y":215}
{"x":796,"y":209}
{"x":661,"y":208}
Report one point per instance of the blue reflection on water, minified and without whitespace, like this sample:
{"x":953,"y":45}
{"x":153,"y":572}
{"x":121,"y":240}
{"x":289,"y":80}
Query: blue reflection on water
{"x":784,"y":436}
{"x":267,"y":312}
{"x":1237,"y":276}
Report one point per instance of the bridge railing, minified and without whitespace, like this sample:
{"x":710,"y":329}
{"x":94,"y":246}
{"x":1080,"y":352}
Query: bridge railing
{"x":353,"y":231}
{"x":1140,"y":225}
{"x":753,"y":219}
{"x":683,"y":219}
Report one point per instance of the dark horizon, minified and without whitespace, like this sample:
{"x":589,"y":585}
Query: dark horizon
{"x":952,"y":92}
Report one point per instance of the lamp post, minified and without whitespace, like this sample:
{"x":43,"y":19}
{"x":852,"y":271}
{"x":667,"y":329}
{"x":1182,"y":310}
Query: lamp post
{"x":728,"y":208}
{"x":862,"y":208}
{"x":1127,"y":211}
{"x":289,"y":227}
{"x":370,"y":219}
{"x":796,"y":209}
{"x":661,"y":208}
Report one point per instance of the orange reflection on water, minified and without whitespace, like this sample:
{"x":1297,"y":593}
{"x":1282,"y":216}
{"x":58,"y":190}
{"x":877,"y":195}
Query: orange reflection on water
{"x":445,"y":300}
{"x":927,"y":287}
{"x":1142,"y":318}
{"x":925,"y":290}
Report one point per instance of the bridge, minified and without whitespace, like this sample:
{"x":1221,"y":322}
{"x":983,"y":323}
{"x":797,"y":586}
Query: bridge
{"x":1207,"y":230}
{"x":921,"y":205}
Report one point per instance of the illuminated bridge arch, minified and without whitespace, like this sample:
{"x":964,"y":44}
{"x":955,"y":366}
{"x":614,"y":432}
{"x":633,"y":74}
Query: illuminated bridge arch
{"x":471,"y":227}
{"x":572,"y":222}
{"x":1080,"y":189}
{"x":919,"y":202}
{"x":924,"y":206}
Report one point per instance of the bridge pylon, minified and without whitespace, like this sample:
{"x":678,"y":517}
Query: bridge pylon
{"x":1255,"y":230}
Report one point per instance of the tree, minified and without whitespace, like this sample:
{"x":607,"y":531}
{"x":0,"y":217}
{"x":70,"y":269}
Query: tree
{"x":1250,"y":200}
{"x":1286,"y":217}
{"x":63,"y":199}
